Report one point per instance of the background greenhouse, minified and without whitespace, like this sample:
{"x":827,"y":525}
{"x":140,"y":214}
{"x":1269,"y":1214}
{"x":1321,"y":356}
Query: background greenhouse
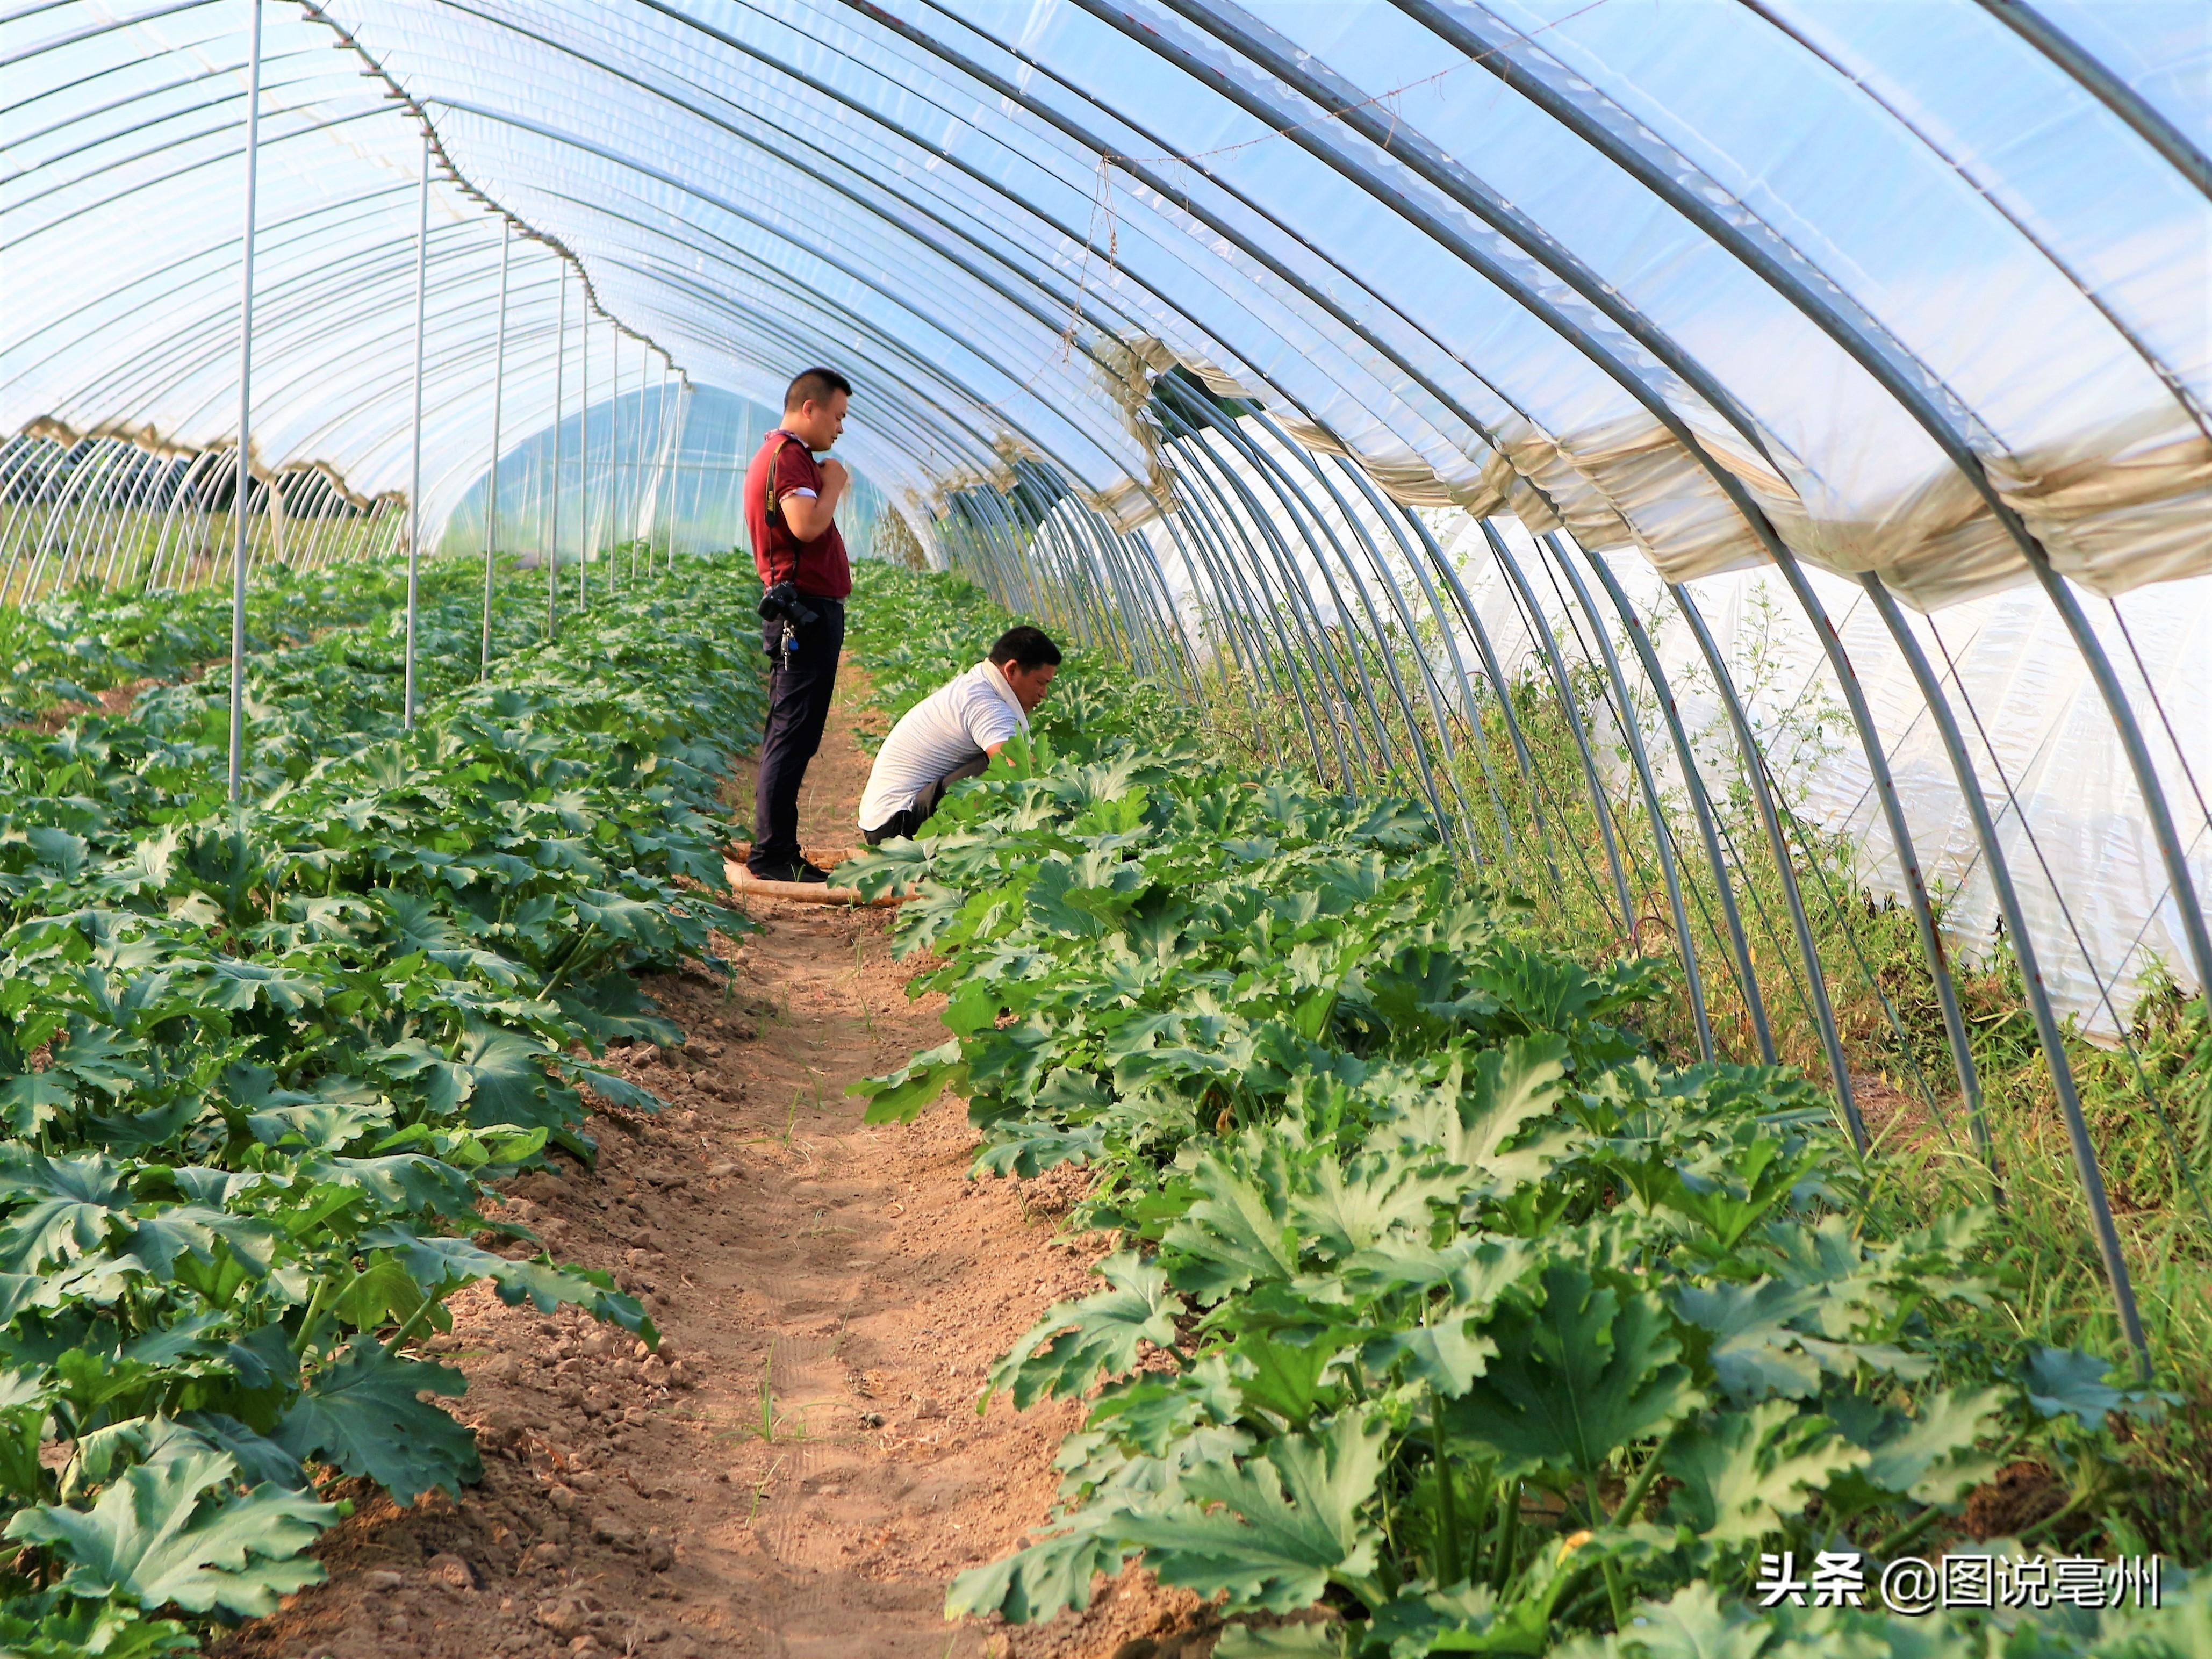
{"x":1631,"y":792}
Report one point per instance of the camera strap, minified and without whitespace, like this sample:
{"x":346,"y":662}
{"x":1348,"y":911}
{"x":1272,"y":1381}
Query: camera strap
{"x":775,"y":514}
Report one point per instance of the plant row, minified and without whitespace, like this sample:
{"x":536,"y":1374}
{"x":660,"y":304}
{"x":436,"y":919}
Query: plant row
{"x":1450,"y":1316}
{"x":257,"y":1063}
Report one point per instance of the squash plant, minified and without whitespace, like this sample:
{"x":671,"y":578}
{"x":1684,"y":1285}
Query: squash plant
{"x":1449,"y":1315}
{"x":257,"y":1063}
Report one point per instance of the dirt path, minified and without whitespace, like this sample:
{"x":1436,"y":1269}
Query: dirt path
{"x":801,"y":1470}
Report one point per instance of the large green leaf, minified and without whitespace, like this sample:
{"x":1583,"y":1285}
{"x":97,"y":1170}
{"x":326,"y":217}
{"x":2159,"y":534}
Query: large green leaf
{"x":31,"y":1101}
{"x":1743,"y":1472}
{"x":1031,"y":1148}
{"x":437,"y":1264}
{"x":1754,"y":1352}
{"x":1311,"y":1641}
{"x":1345,"y":1208}
{"x":95,"y":1055}
{"x":55,"y":1626}
{"x":1693,"y":1626}
{"x":171,"y":1533}
{"x":1446,"y":1356}
{"x":364,"y":1413}
{"x":901,"y":1097}
{"x":1036,"y":1583}
{"x":1283,"y":1376}
{"x":1587,"y":1370}
{"x":67,"y":1205}
{"x":501,"y":1075}
{"x":1466,"y":1618}
{"x":238,"y":986}
{"x":1074,"y":1342}
{"x":2068,"y":1382}
{"x":1290,"y":1520}
{"x":1475,"y":1114}
{"x":1933,"y":1455}
{"x":170,"y":1230}
{"x":1239,"y":1228}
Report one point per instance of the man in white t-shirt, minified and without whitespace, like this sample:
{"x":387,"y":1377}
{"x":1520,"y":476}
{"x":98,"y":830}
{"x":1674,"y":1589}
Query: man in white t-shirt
{"x":952,"y":733}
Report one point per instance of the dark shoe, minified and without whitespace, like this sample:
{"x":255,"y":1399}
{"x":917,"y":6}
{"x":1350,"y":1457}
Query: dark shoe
{"x":798,"y":869}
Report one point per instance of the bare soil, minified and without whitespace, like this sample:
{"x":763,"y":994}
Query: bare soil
{"x":801,"y":1469}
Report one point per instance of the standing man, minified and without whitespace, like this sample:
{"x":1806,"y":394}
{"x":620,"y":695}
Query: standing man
{"x":791,"y":506}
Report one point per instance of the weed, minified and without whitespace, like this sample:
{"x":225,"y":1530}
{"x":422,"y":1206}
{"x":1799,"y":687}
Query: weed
{"x":766,"y":1426}
{"x":760,"y":1491}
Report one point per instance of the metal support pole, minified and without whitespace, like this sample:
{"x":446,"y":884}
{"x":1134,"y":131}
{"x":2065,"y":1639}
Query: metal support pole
{"x":1085,"y":532}
{"x":1292,"y":499}
{"x":1138,"y":557}
{"x":245,"y":402}
{"x":1686,"y":758}
{"x":1094,"y":627}
{"x":1557,"y":666}
{"x":614,"y":484}
{"x":1431,"y":688}
{"x":649,"y":512}
{"x":1232,"y":610}
{"x":648,"y":493}
{"x":560,"y":416}
{"x":994,"y":549}
{"x":2108,"y":89}
{"x":637,"y":470}
{"x":973,"y":556}
{"x":1336,"y":710}
{"x":671,"y":476}
{"x":2047,"y":1031}
{"x":1883,"y":357}
{"x":491,"y":483}
{"x":1280,"y":480}
{"x":1662,"y":832}
{"x":1044,"y":534}
{"x":1228,"y":626}
{"x":1128,"y":584}
{"x":104,"y":565}
{"x":997,"y":548}
{"x":976,"y":555}
{"x":1110,"y":619}
{"x":415,"y":485}
{"x":584,"y":531}
{"x":1496,"y":672}
{"x":1777,"y":845}
{"x":1078,"y":550}
{"x":1449,"y":176}
{"x":23,"y":478}
{"x":1469,"y":708}
{"x":1915,"y":889}
{"x":1280,"y":660}
{"x":673,"y":480}
{"x":1027,"y":536}
{"x":1327,"y":653}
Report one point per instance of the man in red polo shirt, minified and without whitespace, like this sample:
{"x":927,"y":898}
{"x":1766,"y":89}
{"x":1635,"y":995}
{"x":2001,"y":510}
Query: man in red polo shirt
{"x":791,"y":505}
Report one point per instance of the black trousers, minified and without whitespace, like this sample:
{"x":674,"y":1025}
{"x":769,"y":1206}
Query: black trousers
{"x":909,"y":820}
{"x":799,"y":691}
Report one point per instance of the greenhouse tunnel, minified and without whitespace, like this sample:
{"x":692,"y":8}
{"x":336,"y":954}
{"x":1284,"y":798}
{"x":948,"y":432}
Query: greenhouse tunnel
{"x":1744,"y":468}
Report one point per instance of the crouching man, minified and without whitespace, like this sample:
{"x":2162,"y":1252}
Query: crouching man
{"x":952,"y":733}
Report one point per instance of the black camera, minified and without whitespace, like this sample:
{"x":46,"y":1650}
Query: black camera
{"x":783,"y":603}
